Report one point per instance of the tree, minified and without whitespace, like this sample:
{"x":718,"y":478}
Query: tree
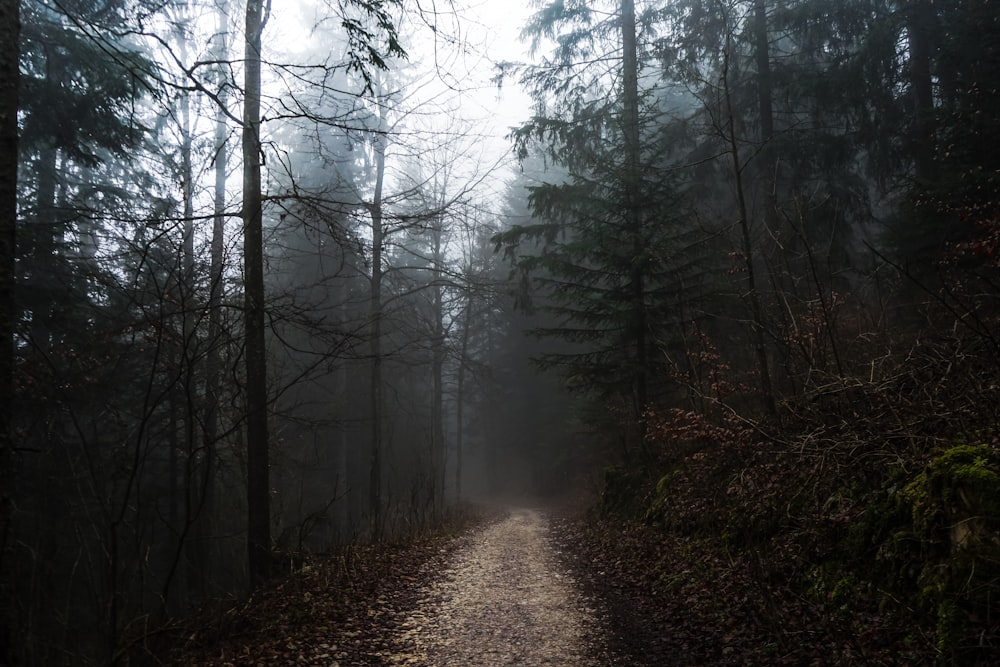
{"x":607,"y":242}
{"x":10,"y":26}
{"x":748,"y":246}
{"x":109,"y":78}
{"x":481,"y":296}
{"x":794,"y":174}
{"x":258,"y":480}
{"x":216,"y":278}
{"x":375,"y":209}
{"x":363,"y":23}
{"x":80,"y":180}
{"x":953,"y":115}
{"x":127,"y":326}
{"x":630,"y":131}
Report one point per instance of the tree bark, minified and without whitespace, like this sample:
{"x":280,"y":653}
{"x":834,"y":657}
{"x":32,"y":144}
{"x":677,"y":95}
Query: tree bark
{"x":9,"y":35}
{"x":762,"y":48}
{"x":919,"y":29}
{"x":258,"y":479}
{"x":460,"y":399}
{"x":200,"y":557}
{"x":630,"y":129}
{"x":43,"y":246}
{"x":375,"y":314}
{"x":756,"y":310}
{"x":438,"y":456}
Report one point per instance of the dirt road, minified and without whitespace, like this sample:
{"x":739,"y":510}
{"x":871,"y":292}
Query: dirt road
{"x":502,"y":599}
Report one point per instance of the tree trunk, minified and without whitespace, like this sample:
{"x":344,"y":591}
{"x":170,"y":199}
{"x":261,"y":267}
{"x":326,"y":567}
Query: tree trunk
{"x":630,"y":129}
{"x":460,"y":399}
{"x":43,"y":243}
{"x":375,"y":314}
{"x":258,"y":482}
{"x":757,"y":311}
{"x":919,"y":29}
{"x":9,"y":35}
{"x":762,"y":48}
{"x":438,"y":457}
{"x":200,"y":557}
{"x":181,"y":514}
{"x":767,"y":157}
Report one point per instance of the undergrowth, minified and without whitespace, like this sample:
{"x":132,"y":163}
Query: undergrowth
{"x":860,"y":526}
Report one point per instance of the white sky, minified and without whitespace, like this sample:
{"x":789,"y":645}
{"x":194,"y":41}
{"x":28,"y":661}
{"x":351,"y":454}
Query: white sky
{"x":489,"y":31}
{"x":457,"y":94}
{"x":501,"y":24}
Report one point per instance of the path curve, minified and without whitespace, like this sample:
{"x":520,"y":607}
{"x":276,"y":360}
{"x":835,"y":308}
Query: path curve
{"x":501,"y":599}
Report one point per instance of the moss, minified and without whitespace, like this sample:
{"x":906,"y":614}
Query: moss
{"x":845,"y":590}
{"x":951,"y":626}
{"x":659,"y":506}
{"x":955,"y":502}
{"x":962,"y":483}
{"x":819,"y":582}
{"x":954,"y":507}
{"x":881,"y":517}
{"x":830,"y":585}
{"x":928,"y":542}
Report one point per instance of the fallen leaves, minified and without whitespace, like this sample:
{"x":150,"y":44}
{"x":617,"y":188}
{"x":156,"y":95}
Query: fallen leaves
{"x":338,"y":611}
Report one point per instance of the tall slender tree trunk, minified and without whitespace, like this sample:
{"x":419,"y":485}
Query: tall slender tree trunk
{"x":753,"y":295}
{"x":920,"y":25}
{"x":43,"y":244}
{"x":187,"y":191}
{"x":438,"y":455}
{"x":762,"y":48}
{"x":375,"y":315}
{"x":258,"y":478}
{"x":352,"y":466}
{"x":10,"y":35}
{"x":182,"y":405}
{"x":491,"y":436}
{"x":765,"y":110}
{"x":460,"y":399}
{"x":175,"y":540}
{"x":630,"y":129}
{"x":200,"y":557}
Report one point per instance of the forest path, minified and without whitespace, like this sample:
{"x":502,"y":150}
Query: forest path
{"x":502,"y":598}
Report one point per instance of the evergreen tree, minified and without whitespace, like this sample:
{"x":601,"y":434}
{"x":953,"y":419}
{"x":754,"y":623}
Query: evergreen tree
{"x":965,"y":114}
{"x":68,"y":132}
{"x":605,"y":244}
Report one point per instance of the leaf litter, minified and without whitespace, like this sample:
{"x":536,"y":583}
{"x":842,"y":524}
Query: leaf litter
{"x":499,"y":593}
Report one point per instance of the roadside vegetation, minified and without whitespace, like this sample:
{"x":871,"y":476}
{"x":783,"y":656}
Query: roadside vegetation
{"x":861,"y":525}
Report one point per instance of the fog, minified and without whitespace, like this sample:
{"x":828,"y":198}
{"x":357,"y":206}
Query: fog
{"x":492,"y":267}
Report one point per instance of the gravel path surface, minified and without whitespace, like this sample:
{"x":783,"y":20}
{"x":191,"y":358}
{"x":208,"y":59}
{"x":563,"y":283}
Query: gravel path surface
{"x":502,"y":599}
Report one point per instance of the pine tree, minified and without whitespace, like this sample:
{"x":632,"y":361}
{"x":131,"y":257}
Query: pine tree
{"x":68,"y":133}
{"x":605,"y":245}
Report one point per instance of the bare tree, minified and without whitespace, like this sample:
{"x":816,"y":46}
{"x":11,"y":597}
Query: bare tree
{"x":213,"y":362}
{"x":375,"y":313}
{"x":258,"y":483}
{"x":747,"y":246}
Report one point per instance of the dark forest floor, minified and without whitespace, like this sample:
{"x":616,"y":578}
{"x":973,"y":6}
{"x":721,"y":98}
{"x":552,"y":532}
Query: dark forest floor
{"x":663,"y":600}
{"x":339,"y":609}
